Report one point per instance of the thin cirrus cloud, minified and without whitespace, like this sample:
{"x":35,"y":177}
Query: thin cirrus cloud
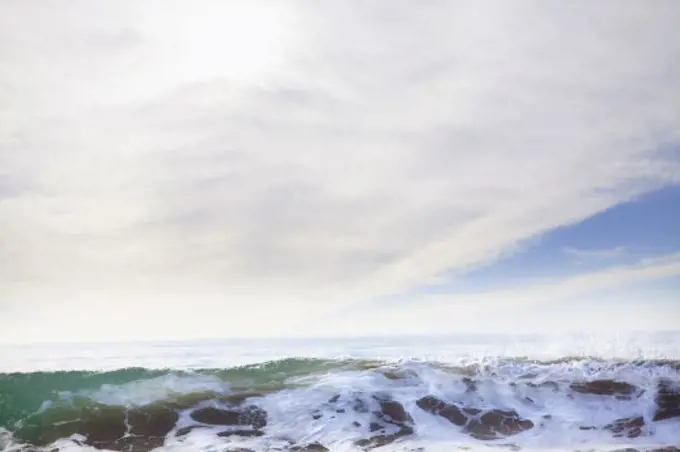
{"x":604,"y":299}
{"x":313,"y":155}
{"x":596,"y":253}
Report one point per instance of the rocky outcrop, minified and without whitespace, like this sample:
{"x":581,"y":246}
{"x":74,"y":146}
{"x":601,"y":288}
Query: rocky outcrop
{"x":497,"y":424}
{"x":241,"y":432}
{"x":438,"y":407}
{"x":390,"y":423}
{"x":619,"y":389}
{"x":488,"y":425}
{"x":250,"y":415}
{"x":311,"y":447}
{"x":667,"y":400}
{"x":630,"y":427}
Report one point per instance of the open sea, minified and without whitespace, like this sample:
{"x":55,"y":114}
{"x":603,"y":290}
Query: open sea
{"x":587,"y":392}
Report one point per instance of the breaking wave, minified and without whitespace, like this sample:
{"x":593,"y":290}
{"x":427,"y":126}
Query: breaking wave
{"x":348,"y":405}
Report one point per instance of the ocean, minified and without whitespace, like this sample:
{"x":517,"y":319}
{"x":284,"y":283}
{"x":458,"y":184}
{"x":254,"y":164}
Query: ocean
{"x":576,"y":392}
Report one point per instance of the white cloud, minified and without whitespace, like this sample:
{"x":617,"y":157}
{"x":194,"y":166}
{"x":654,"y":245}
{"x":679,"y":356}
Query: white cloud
{"x":609,"y":253}
{"x":327,"y":153}
{"x":607,"y":299}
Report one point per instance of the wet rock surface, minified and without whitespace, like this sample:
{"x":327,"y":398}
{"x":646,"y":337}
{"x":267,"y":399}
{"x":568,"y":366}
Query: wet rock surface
{"x":605,"y":387}
{"x":240,"y":432}
{"x":250,"y":415}
{"x":311,"y":447}
{"x":438,"y":407}
{"x":628,"y":427}
{"x":481,"y":425}
{"x":667,"y":400}
{"x":389,"y":423}
{"x":496,"y":424}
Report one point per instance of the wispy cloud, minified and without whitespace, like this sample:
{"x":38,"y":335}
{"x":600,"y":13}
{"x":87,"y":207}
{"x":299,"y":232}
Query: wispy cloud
{"x":517,"y":309}
{"x":610,"y":253}
{"x":315,"y":154}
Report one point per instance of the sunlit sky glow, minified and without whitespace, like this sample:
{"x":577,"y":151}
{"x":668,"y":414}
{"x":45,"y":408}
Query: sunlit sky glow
{"x":173,"y":169}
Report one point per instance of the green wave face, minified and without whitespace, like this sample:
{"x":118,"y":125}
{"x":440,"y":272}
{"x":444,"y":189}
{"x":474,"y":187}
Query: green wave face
{"x":23,"y":394}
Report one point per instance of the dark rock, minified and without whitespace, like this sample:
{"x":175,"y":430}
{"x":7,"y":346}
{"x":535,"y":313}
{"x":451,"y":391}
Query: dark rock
{"x":152,"y":421}
{"x":604,"y":387}
{"x":311,"y":447}
{"x":99,"y":424}
{"x":334,"y":399}
{"x":391,"y":422}
{"x":630,"y":427}
{"x":495,"y":424}
{"x":393,"y":412}
{"x":374,"y":426}
{"x":216,"y":416}
{"x":399,"y":374}
{"x":251,"y":415}
{"x":356,"y":424}
{"x":384,"y":439}
{"x":241,"y":432}
{"x":438,"y":407}
{"x":472,"y":411}
{"x":186,"y":430}
{"x":667,"y":400}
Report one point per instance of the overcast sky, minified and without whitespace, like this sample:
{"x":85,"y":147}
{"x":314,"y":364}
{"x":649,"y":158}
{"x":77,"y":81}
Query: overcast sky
{"x":227,"y":168}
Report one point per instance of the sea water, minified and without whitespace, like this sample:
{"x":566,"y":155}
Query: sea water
{"x":533,"y":392}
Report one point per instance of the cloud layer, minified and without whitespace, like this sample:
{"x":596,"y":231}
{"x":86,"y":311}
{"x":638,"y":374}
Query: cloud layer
{"x":315,"y":154}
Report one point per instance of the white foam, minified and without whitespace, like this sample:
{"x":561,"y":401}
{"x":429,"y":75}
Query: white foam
{"x":144,"y":392}
{"x":290,"y":410}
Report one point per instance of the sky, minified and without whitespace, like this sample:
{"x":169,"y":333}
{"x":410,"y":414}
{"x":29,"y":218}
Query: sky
{"x":174,"y":169}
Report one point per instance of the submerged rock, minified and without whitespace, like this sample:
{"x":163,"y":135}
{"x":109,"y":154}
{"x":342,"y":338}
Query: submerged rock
{"x":251,"y":415}
{"x":152,"y":422}
{"x":493,"y":424}
{"x":99,"y":424}
{"x":438,"y":407}
{"x":496,"y":424}
{"x":667,"y":400}
{"x":630,"y":427}
{"x":393,"y":412}
{"x":391,"y":422}
{"x":604,"y":387}
{"x":311,"y":447}
{"x":104,"y":426}
{"x":241,"y":432}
